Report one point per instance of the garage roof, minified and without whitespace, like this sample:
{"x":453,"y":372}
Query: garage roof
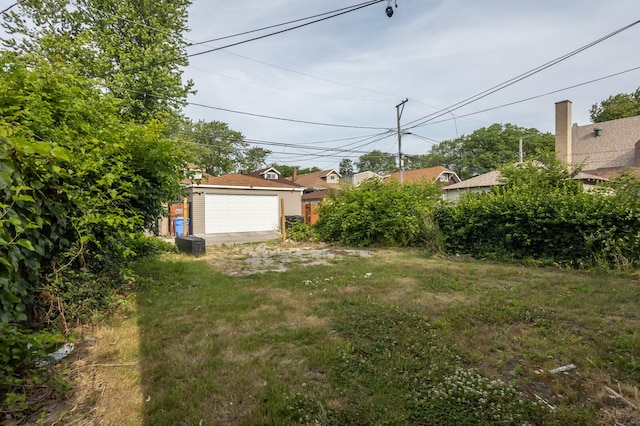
{"x":239,"y":180}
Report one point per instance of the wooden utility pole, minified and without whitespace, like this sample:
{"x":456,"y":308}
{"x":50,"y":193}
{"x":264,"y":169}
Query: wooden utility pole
{"x":283,"y":221}
{"x":399,"y":109}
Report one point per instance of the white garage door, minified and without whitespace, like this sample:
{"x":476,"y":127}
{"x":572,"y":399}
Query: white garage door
{"x":240,"y":213}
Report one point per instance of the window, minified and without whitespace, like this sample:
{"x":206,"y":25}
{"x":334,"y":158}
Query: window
{"x":444,"y":178}
{"x":271,"y":175}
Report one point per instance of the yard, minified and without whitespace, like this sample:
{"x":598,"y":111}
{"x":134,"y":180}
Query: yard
{"x":334,"y":336}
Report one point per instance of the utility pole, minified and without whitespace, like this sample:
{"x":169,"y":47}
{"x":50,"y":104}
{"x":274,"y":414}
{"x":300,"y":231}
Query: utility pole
{"x":521,"y":156}
{"x":399,"y":109}
{"x":521,"y":144}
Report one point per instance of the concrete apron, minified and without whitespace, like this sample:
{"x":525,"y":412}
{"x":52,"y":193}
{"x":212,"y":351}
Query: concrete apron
{"x":236,"y":238}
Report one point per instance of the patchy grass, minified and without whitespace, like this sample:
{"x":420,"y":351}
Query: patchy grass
{"x":391,"y":338}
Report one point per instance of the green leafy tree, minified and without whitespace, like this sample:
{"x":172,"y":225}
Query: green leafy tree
{"x":422,"y":161}
{"x":378,"y":162}
{"x":254,"y":158}
{"x":488,"y":149}
{"x":346,"y":167}
{"x":134,"y":48}
{"x":618,"y":106}
{"x":221,"y":150}
{"x":78,"y":183}
{"x":287,"y":171}
{"x":307,"y":170}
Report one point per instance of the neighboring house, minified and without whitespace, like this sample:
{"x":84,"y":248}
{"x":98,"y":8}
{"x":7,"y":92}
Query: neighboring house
{"x":438,"y":175}
{"x":272,"y":175}
{"x":356,"y":179}
{"x":484,"y":183}
{"x":606,"y":149}
{"x":317,"y":187}
{"x":480,"y":183}
{"x":324,"y":179}
{"x":235,"y":203}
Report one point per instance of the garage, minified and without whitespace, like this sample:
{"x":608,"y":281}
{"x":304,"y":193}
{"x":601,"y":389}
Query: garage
{"x":229,"y":213}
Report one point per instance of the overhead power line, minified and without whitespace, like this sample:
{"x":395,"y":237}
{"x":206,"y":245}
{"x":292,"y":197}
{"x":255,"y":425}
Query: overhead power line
{"x":279,"y":25}
{"x":313,"y":76}
{"x":424,"y":120}
{"x":5,"y":10}
{"x":195,"y":43}
{"x":269,"y":117}
{"x":343,"y":98}
{"x":371,"y":3}
{"x":291,"y":120}
{"x":584,"y":83}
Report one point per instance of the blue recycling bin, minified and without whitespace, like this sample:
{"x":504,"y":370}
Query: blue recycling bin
{"x":178,"y":226}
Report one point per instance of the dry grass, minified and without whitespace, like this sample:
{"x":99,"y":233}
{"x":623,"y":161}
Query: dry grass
{"x":269,"y":348}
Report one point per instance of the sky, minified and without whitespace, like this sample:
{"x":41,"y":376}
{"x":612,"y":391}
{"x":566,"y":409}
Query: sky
{"x":352,"y":70}
{"x":330,"y":90}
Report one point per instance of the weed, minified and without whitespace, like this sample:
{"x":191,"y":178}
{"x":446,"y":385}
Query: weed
{"x":466,"y":397}
{"x":395,"y":338}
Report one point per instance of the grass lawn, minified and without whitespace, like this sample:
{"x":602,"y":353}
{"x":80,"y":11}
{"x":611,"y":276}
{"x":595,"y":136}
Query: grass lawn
{"x":392,"y":338}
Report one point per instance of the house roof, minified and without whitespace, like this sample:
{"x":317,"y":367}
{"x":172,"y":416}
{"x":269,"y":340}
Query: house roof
{"x":615,"y":147}
{"x":491,"y":178}
{"x":317,"y":179}
{"x":430,"y":174}
{"x":588,"y":176}
{"x":261,"y":172}
{"x":284,"y":181}
{"x":236,"y":179}
{"x":315,"y":195}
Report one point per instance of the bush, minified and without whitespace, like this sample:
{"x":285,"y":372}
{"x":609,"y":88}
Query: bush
{"x":22,"y":353}
{"x":77,"y":184}
{"x":388,"y":214}
{"x":146,"y":246}
{"x":541,"y":213}
{"x":302,"y":232}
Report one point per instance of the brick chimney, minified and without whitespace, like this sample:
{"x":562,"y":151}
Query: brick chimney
{"x":295,"y":174}
{"x":563,"y":131}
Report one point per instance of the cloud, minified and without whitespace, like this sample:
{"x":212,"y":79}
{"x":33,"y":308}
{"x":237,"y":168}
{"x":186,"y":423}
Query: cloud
{"x":436,"y":53}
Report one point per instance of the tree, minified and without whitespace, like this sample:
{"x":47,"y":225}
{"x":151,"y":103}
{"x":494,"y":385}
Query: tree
{"x":254,"y":158}
{"x":78,"y":184}
{"x":488,"y":148}
{"x":135,"y":48}
{"x":346,"y":167}
{"x":618,"y":106}
{"x":421,"y":161}
{"x":287,"y":171}
{"x":378,"y":162}
{"x":221,"y":150}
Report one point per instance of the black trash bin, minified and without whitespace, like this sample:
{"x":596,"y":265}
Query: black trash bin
{"x":290,"y":221}
{"x":194,"y":246}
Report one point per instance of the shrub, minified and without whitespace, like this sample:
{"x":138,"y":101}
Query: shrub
{"x":302,"y":232}
{"x":541,"y":213}
{"x":389,"y":214}
{"x":22,"y":353}
{"x":77,"y":184}
{"x":146,"y":246}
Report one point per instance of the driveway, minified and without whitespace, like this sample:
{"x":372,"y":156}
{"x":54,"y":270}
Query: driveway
{"x":236,"y":238}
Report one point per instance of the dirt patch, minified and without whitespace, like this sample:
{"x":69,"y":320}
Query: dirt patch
{"x":252,"y":259}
